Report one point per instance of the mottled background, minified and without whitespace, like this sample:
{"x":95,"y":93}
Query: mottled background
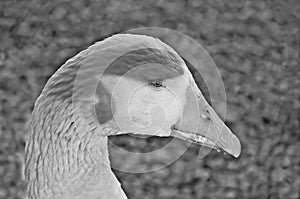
{"x":255,"y":44}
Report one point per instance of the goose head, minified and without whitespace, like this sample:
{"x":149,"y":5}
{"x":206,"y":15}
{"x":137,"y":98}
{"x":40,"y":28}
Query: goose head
{"x":125,"y":84}
{"x":155,"y":94}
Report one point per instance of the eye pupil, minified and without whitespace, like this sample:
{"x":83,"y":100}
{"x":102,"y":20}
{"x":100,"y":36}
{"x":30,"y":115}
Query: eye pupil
{"x":157,"y":84}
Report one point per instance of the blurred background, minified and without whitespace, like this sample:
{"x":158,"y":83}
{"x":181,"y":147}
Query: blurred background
{"x":255,"y":45}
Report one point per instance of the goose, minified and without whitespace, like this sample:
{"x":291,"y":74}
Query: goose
{"x":125,"y":84}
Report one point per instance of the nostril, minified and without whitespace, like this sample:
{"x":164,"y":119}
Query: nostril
{"x":205,"y":117}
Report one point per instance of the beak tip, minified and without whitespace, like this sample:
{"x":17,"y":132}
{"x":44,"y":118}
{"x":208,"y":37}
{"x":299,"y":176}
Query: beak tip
{"x":237,"y":149}
{"x":232,"y":146}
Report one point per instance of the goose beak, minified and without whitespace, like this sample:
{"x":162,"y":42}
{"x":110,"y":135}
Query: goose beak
{"x":201,"y":125}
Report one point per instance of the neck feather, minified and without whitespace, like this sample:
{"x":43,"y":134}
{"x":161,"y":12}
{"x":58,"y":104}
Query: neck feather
{"x":66,"y":156}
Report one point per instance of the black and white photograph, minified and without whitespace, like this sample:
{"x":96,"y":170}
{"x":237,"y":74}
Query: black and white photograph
{"x":145,"y":99}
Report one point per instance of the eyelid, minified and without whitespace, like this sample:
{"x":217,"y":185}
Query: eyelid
{"x":157,"y":83}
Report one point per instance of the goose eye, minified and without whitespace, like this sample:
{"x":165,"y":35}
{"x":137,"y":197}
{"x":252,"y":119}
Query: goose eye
{"x":156,"y":84}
